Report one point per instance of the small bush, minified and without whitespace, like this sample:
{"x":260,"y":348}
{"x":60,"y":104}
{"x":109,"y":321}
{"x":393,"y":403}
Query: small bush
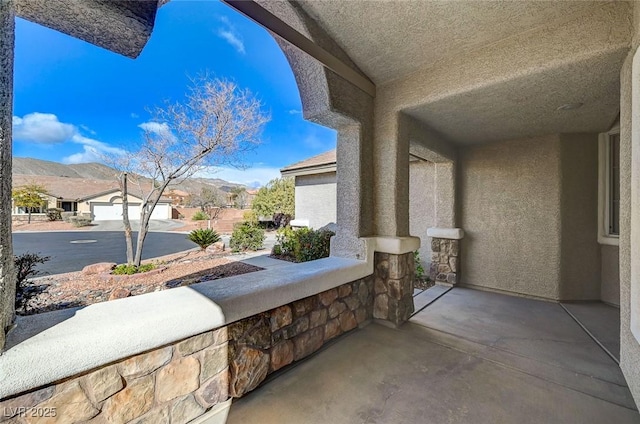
{"x":66,"y":216}
{"x":25,"y":266}
{"x":419,"y":269}
{"x":80,"y":221}
{"x":250,"y":216}
{"x":125,"y":269}
{"x":303,"y":244}
{"x":199,"y":216}
{"x":246,"y":236}
{"x":204,"y":237}
{"x":54,"y":214}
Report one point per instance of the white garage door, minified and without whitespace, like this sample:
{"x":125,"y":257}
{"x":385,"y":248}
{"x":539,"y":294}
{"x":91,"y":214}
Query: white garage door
{"x":112,"y":212}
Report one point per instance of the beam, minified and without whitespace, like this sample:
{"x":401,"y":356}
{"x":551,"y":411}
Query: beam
{"x":272,"y":23}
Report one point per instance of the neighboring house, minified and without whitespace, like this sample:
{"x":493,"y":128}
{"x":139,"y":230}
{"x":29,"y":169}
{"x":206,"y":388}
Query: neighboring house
{"x":178,"y":197}
{"x":315,"y":190}
{"x":101,"y":199}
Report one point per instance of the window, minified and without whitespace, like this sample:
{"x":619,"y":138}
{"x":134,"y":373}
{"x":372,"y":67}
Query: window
{"x":609,"y":188}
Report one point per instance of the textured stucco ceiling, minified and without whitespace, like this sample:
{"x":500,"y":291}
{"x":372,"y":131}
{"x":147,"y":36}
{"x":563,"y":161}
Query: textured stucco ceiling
{"x":390,"y":39}
{"x":489,"y":70}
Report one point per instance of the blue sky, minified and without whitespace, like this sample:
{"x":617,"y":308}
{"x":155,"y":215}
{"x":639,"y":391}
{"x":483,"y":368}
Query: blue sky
{"x":73,"y":100}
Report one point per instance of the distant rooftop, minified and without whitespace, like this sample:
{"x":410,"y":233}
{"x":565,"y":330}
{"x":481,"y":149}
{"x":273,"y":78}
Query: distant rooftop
{"x":324,"y":160}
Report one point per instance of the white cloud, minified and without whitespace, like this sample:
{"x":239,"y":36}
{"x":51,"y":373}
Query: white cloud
{"x":87,"y":129}
{"x":46,"y":128}
{"x":251,"y":177}
{"x":93,"y":150}
{"x":159,"y":128}
{"x":134,"y":115}
{"x":42,"y":128}
{"x":229,"y":33}
{"x":294,"y":111}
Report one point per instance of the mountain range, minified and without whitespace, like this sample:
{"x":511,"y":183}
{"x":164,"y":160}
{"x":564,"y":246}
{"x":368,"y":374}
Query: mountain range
{"x":25,"y":167}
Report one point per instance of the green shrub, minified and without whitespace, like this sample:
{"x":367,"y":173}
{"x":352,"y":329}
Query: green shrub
{"x":66,"y":216}
{"x":303,"y":244}
{"x":204,"y":237}
{"x":54,"y":214}
{"x":80,"y":221}
{"x":246,"y":236}
{"x":419,"y":269}
{"x":199,"y":216}
{"x":25,"y":266}
{"x":125,"y":269}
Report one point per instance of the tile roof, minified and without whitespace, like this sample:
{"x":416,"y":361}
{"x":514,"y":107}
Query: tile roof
{"x":73,"y":188}
{"x":326,"y":158}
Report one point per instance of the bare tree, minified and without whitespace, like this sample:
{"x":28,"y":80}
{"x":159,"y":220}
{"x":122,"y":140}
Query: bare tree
{"x":209,"y":201}
{"x":215,"y":125}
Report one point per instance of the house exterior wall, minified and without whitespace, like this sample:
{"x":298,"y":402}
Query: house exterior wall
{"x":629,"y":215}
{"x":580,"y":271}
{"x":422,"y":207}
{"x":610,"y":274}
{"x":510,"y":211}
{"x":316,"y":199}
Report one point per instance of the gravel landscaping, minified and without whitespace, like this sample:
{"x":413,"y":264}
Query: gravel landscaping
{"x":74,"y":289}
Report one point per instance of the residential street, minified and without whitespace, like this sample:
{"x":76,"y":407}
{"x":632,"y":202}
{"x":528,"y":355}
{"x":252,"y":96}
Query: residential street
{"x":71,"y":251}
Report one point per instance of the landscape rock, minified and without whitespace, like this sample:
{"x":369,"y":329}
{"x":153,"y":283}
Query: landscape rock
{"x":119,"y":293}
{"x":98,"y":268}
{"x":217,"y":247}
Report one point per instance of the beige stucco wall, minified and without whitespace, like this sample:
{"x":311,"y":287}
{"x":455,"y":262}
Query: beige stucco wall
{"x":610,"y":274}
{"x":422,"y":207}
{"x":629,"y":219}
{"x":509,"y":197}
{"x":529,"y":211}
{"x":580,"y":267}
{"x":316,"y":199}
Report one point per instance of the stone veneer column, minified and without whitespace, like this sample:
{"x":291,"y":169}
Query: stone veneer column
{"x":393,"y":287}
{"x":445,"y":256}
{"x":7,"y":279}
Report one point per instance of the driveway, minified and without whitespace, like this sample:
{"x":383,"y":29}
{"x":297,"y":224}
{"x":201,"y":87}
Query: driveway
{"x":72,"y":251}
{"x":154,"y":225}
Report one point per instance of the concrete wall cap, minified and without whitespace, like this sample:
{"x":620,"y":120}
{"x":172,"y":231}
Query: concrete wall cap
{"x":446,"y":233}
{"x":49,"y":347}
{"x":396,"y":245}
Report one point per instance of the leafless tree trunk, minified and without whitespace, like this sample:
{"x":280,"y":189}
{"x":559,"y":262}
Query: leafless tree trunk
{"x":125,"y":217}
{"x":214,"y":126}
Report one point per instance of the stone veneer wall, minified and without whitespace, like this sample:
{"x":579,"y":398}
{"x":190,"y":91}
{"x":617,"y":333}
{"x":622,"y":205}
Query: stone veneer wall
{"x":180,"y":382}
{"x":444,"y":266}
{"x":393,"y":285}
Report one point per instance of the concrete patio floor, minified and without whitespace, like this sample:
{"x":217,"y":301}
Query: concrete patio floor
{"x":468,"y":357}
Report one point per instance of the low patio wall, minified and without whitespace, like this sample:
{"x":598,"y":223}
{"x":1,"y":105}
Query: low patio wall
{"x":186,"y":379}
{"x":184,"y":353}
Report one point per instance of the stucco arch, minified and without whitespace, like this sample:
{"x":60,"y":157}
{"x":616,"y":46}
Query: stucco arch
{"x":330,"y":100}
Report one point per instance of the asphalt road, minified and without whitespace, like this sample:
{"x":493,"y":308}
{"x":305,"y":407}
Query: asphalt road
{"x":72,"y":251}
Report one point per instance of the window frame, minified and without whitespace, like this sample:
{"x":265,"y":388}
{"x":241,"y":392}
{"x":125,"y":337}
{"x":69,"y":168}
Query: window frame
{"x":604,"y":188}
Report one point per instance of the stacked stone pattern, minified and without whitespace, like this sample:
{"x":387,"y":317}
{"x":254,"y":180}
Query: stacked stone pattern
{"x":393,"y":287}
{"x":444,"y":266}
{"x":177,"y":383}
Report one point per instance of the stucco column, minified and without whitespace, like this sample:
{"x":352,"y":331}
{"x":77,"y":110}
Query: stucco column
{"x":391,"y":181}
{"x":7,"y":274}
